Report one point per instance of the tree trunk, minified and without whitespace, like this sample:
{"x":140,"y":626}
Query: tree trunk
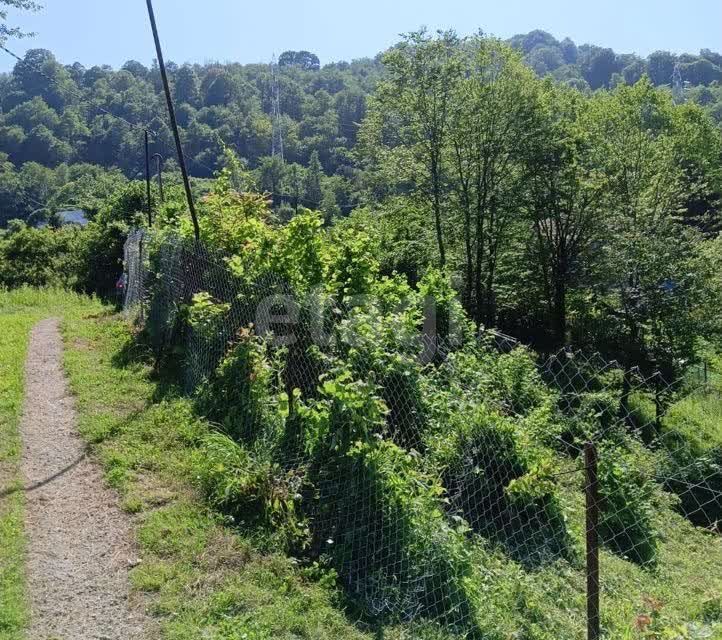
{"x":435,"y":179}
{"x":560,"y":311}
{"x":559,"y":320}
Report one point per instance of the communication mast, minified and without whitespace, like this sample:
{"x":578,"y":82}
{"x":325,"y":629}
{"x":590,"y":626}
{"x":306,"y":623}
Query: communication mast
{"x":277,"y":142}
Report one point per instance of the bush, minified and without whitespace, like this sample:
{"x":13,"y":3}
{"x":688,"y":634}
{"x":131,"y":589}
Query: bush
{"x":501,"y":485}
{"x":384,"y":347}
{"x":40,"y":257}
{"x":377,"y":515}
{"x":691,"y":456}
{"x":240,"y":396}
{"x":629,"y":497}
{"x":252,"y":491}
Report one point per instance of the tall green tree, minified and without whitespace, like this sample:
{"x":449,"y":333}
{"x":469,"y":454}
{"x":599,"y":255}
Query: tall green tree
{"x":494,"y":116}
{"x":565,"y":199}
{"x":646,"y":281}
{"x":415,"y":101}
{"x":313,"y":192}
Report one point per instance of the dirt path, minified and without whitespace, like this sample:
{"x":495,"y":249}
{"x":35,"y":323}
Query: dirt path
{"x":79,"y":549}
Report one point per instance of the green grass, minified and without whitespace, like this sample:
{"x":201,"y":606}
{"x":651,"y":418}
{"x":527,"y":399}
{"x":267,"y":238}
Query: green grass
{"x":205,"y":578}
{"x":19,"y":311}
{"x":698,"y":419}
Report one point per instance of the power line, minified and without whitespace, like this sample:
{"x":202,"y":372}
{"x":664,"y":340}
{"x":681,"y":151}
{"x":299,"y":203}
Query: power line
{"x":173,"y":121}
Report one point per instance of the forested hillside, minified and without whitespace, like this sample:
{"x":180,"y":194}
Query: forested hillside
{"x":315,"y":361}
{"x":59,"y":114}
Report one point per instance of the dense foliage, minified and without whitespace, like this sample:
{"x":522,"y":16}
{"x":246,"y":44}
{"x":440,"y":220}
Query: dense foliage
{"x":54,"y":113}
{"x":400,"y":465}
{"x":365,"y":426}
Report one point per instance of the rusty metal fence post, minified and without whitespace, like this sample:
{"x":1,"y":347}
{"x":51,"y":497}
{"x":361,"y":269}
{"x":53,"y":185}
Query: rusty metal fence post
{"x":592,"y":552}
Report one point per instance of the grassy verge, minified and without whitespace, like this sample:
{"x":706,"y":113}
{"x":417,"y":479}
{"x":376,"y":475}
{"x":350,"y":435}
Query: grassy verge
{"x":206,"y":580}
{"x":19,"y":311}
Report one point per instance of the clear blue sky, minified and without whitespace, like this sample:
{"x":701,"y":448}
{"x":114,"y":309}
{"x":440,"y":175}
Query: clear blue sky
{"x":112,"y":31}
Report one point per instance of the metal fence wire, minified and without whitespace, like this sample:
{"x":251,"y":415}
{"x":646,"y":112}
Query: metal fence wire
{"x":430,"y":466}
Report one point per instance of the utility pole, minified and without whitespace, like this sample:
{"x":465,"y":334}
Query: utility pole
{"x":173,"y":121}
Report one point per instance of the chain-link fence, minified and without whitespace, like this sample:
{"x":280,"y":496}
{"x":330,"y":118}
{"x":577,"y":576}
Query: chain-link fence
{"x":456,"y":485}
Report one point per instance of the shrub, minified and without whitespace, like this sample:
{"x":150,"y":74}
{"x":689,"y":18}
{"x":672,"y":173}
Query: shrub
{"x":517,"y":383}
{"x":628,"y":498}
{"x":207,"y":338}
{"x":399,"y":552}
{"x":447,"y":324}
{"x":40,"y":257}
{"x":691,"y":456}
{"x":377,"y":515}
{"x":241,"y":394}
{"x":501,"y":484}
{"x":384,"y":347}
{"x":254,"y":492}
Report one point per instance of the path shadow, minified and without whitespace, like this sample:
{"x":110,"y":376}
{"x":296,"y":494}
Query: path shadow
{"x":166,"y":373}
{"x":33,"y":487}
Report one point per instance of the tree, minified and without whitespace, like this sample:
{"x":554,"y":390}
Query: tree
{"x":700,"y":71}
{"x":644,"y":283}
{"x":294,"y":186}
{"x":39,"y":74}
{"x":186,"y":86}
{"x":633,"y":72}
{"x":416,"y":97}
{"x":7,"y":31}
{"x":598,"y":65}
{"x":544,"y":60}
{"x":494,"y":116}
{"x":136,"y":68}
{"x":530,"y":41}
{"x":569,"y":50}
{"x":217,"y":88}
{"x":33,"y":113}
{"x":42,"y":143}
{"x":698,"y":148}
{"x":713,"y":56}
{"x":11,"y":139}
{"x":313,"y":193}
{"x":271,"y":175}
{"x":565,"y":199}
{"x":304,"y":59}
{"x":661,"y":67}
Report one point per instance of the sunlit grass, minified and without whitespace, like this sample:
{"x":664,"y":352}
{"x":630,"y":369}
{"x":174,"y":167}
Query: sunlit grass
{"x":19,"y":311}
{"x":207,"y":580}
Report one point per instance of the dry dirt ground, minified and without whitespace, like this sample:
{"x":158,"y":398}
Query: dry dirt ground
{"x":79,"y":545}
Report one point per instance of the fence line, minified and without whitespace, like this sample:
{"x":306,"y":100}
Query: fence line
{"x":400,"y":447}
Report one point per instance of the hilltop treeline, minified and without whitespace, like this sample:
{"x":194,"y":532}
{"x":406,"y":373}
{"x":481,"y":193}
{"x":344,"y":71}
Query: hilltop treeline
{"x":562,"y":215}
{"x":55,"y":114}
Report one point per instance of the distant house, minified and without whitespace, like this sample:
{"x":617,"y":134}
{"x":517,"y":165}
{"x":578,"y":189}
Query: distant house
{"x":71,"y":216}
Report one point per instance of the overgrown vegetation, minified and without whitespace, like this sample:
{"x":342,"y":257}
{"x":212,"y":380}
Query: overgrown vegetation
{"x":311,"y":410}
{"x":211,"y":510}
